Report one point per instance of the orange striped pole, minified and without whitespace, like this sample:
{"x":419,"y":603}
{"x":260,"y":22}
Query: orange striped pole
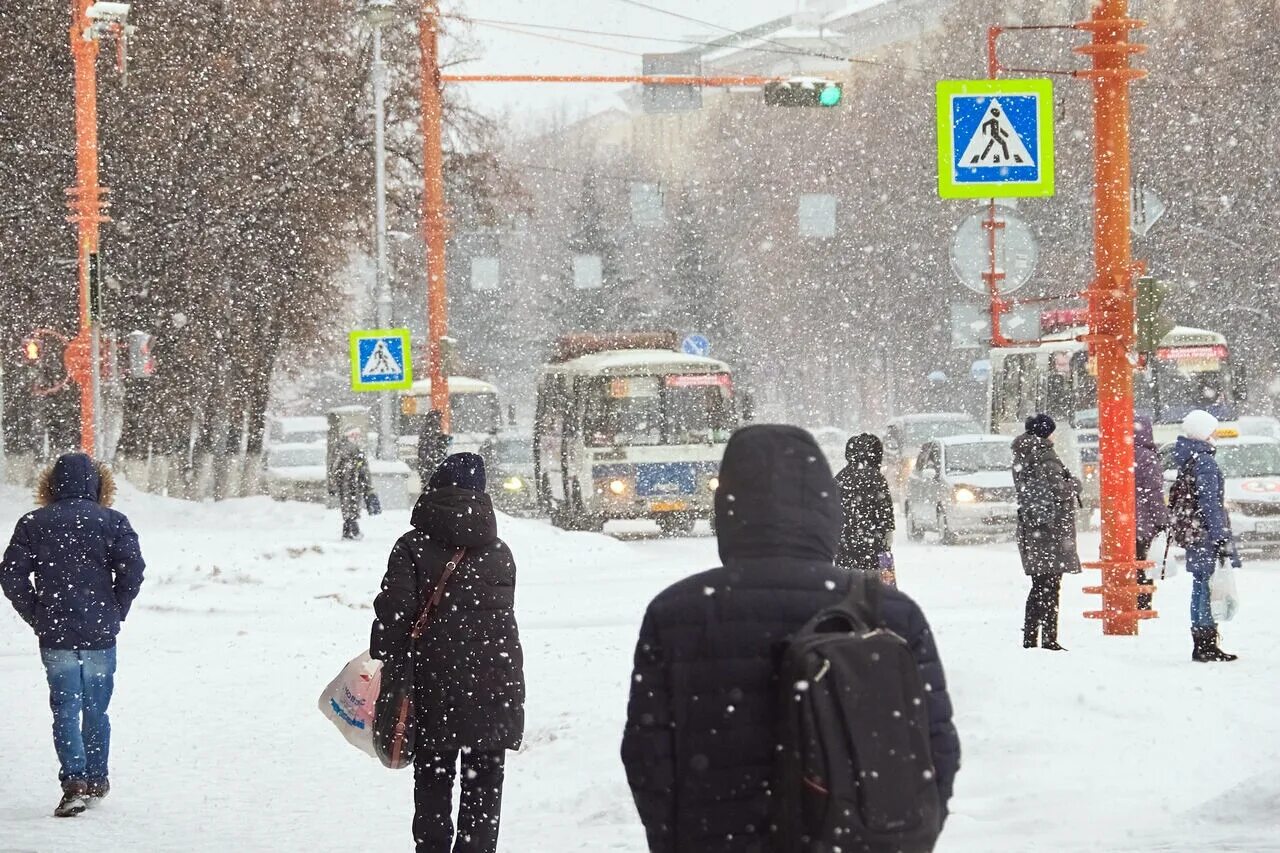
{"x":433,"y":206}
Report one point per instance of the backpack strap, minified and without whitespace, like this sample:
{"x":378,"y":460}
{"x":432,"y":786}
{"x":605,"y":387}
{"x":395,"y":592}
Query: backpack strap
{"x":420,"y":625}
{"x":863,"y":599}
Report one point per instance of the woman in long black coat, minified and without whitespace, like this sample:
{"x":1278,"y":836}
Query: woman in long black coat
{"x":867,"y":506}
{"x":469,"y":666}
{"x":1047,"y":500}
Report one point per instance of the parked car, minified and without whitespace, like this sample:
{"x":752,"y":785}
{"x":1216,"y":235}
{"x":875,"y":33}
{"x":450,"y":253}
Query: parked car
{"x":297,"y":472}
{"x":300,"y":430}
{"x":905,"y":436}
{"x":1251,"y":467}
{"x":509,"y":460}
{"x":962,"y":485}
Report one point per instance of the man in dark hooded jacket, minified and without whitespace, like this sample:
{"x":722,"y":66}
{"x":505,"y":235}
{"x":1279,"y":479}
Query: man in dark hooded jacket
{"x":72,"y":570}
{"x":867,"y":505}
{"x":433,"y":446}
{"x":352,"y":483}
{"x":701,"y":735}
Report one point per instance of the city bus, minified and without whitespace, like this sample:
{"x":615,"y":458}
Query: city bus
{"x":631,"y":434}
{"x":1191,"y":370}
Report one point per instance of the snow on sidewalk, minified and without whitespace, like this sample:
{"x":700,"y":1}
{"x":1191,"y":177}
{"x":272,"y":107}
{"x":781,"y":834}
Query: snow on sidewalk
{"x":251,"y":606}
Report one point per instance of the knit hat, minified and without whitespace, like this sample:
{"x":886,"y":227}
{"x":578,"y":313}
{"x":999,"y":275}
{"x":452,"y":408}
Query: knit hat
{"x":1041,"y":425}
{"x":463,"y":470}
{"x":1199,"y":425}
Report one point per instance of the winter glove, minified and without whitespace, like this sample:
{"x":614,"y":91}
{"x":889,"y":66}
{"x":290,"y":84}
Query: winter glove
{"x":1236,"y":562}
{"x":372,"y":504}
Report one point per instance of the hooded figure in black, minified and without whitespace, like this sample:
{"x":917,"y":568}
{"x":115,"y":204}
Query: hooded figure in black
{"x":700,"y":740}
{"x":433,"y":446}
{"x":867,"y":505}
{"x":1047,"y":499}
{"x":469,"y":672}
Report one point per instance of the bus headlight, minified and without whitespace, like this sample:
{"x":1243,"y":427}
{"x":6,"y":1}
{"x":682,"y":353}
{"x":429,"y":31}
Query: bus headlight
{"x":965,"y":496}
{"x":513,"y":484}
{"x":618,"y":488}
{"x":714,"y":484}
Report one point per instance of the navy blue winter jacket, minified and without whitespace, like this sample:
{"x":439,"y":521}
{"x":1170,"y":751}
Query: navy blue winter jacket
{"x":701,"y":735}
{"x":73,"y":567}
{"x":1210,"y":499}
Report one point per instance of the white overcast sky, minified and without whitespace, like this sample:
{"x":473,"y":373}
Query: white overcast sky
{"x":509,"y":53}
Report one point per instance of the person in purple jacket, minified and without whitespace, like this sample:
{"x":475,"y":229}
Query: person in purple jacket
{"x":1153,"y":512}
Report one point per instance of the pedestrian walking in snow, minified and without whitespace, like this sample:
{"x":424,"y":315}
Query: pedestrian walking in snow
{"x":352,"y":483}
{"x":703,"y":732}
{"x":469,"y":666}
{"x":1047,"y":499}
{"x":866,"y":539}
{"x":1201,"y":525}
{"x":433,"y":446}
{"x":72,"y":570}
{"x":1153,"y":512}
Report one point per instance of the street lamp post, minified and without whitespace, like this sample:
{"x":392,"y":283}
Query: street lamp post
{"x":379,"y":13}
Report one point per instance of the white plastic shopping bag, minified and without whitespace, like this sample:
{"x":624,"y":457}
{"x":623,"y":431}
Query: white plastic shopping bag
{"x":1224,"y":601}
{"x":350,"y":699}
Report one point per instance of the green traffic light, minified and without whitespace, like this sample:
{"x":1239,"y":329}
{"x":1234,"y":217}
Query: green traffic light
{"x":831,"y":96}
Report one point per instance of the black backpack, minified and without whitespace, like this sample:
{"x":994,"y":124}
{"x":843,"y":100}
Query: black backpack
{"x":855,"y":768}
{"x":1186,"y":521}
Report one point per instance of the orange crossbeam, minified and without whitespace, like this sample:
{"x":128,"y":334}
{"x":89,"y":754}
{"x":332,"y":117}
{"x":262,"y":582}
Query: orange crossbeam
{"x":620,"y":79}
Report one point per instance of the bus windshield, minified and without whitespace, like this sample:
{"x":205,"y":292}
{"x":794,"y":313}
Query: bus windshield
{"x":658,"y":410}
{"x":1180,"y":379}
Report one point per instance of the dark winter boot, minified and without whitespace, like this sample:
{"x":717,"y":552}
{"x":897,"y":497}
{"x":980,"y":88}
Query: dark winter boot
{"x":98,"y":789}
{"x":1049,"y":637}
{"x":74,"y":798}
{"x":1206,"y":647}
{"x":1030,"y":636}
{"x":351,"y":530}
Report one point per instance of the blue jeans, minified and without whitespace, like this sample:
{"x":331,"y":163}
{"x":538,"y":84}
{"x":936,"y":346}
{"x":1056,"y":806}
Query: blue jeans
{"x":80,"y":685}
{"x":1201,"y":615}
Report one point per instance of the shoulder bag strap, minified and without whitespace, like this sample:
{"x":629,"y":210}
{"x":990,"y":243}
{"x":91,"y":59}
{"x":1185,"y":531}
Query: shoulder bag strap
{"x":434,"y":601}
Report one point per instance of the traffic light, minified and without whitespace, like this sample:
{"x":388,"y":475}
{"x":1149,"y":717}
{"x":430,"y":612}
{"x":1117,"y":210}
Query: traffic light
{"x":1153,"y":323}
{"x":804,"y":92}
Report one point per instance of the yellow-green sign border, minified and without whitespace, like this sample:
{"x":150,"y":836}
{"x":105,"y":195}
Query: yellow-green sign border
{"x":354,"y":339}
{"x":948,"y":187}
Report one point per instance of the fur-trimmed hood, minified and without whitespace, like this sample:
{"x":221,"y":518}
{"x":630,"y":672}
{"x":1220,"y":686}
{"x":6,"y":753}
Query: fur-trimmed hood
{"x":76,"y":476}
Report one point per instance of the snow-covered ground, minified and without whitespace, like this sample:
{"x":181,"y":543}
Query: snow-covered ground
{"x":250,"y":607}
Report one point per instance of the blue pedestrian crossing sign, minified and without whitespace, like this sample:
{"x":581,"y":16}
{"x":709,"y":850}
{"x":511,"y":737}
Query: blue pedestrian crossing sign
{"x":381,"y":360}
{"x":696,"y":345}
{"x":995,"y":138}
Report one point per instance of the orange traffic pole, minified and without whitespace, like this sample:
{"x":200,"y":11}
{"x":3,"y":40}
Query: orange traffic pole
{"x":433,"y":206}
{"x":86,"y":206}
{"x":1111,"y":298}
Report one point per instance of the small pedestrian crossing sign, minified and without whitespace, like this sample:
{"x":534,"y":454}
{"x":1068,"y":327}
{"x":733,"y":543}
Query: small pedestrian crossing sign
{"x":995,"y":138}
{"x":381,"y":360}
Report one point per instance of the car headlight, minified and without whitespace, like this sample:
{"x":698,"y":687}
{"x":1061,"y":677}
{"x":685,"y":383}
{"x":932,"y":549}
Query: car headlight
{"x":513,"y":484}
{"x":714,"y":484}
{"x":618,"y":487}
{"x":965,"y":496}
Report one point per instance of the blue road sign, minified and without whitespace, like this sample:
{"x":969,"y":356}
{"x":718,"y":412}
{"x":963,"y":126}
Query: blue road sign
{"x":381,"y":360}
{"x":995,"y":138}
{"x":696,"y":345}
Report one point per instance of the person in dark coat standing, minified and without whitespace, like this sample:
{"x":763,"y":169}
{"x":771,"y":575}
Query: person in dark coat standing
{"x":469,"y":666}
{"x":701,"y":734}
{"x":433,"y":446}
{"x":1152,"y":511}
{"x":1047,"y":499}
{"x":867,"y":534}
{"x":352,"y":483}
{"x":1195,"y":452}
{"x":72,"y":571}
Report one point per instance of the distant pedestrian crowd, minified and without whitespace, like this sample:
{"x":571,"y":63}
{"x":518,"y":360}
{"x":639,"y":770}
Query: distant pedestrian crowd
{"x":792,"y":699}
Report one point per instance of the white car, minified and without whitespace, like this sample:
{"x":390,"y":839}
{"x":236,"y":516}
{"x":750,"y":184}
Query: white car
{"x":904,"y":436}
{"x":1251,"y":468}
{"x":962,"y":485}
{"x":297,"y":472}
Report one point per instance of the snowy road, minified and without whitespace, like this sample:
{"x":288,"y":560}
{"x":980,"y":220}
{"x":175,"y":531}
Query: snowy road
{"x":1120,"y":745}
